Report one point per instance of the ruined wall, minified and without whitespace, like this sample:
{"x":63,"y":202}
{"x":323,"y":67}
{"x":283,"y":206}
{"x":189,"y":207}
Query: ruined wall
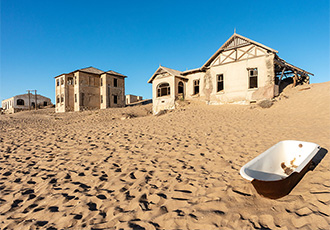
{"x":164,"y":102}
{"x":129,"y":98}
{"x":89,"y":91}
{"x":10,"y":105}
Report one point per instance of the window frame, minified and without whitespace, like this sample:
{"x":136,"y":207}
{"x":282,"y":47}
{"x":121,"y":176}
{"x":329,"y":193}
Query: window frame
{"x":220,"y":81}
{"x":20,"y":100}
{"x":161,"y":88}
{"x":196,"y":85}
{"x":115,"y":82}
{"x":253,"y":74}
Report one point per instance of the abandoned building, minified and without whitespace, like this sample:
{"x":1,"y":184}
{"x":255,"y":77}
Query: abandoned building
{"x":240,"y":71}
{"x":89,"y":88}
{"x":24,"y":102}
{"x":132,"y":99}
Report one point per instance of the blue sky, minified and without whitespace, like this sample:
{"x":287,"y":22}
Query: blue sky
{"x":42,"y":39}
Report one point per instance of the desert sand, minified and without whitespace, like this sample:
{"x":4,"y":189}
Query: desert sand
{"x":127,"y":169}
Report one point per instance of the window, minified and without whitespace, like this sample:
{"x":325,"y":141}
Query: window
{"x":115,"y":82}
{"x":62,"y":98}
{"x":180,"y":87}
{"x":220,"y":82}
{"x":75,"y":80}
{"x":75,"y":97}
{"x":33,"y":105}
{"x":20,"y":102}
{"x":253,"y":78}
{"x":101,"y":99}
{"x":62,"y":81}
{"x":70,"y":81}
{"x":45,"y":103}
{"x":115,"y":99}
{"x":58,"y":99}
{"x":196,"y":86}
{"x":163,"y":89}
{"x":101,"y":81}
{"x":58,"y":82}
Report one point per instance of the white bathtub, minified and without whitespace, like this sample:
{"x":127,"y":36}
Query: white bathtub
{"x":279,"y":169}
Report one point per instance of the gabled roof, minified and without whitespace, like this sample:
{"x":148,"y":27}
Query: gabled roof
{"x":173,"y":72}
{"x":94,"y":70}
{"x":90,"y":70}
{"x":115,"y":73}
{"x":236,"y":41}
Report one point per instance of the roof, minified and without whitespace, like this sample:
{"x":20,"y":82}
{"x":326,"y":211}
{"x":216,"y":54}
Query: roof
{"x":94,"y":70}
{"x":291,"y":67}
{"x":173,"y":72}
{"x":235,"y":41}
{"x":115,"y":73}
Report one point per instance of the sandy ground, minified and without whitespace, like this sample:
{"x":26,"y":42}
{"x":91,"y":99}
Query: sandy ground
{"x":180,"y":170}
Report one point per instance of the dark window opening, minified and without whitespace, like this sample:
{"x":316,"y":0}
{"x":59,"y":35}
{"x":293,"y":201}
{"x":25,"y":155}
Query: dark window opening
{"x":33,"y":105}
{"x":101,"y":82}
{"x":101,"y":99}
{"x":58,"y":82}
{"x":75,"y":97}
{"x":115,"y":82}
{"x":115,"y":99}
{"x":70,"y":80}
{"x":180,"y":87}
{"x":196,"y":86}
{"x":75,"y":80}
{"x":20,"y":102}
{"x":62,"y":81}
{"x":220,"y":82}
{"x":253,"y":78}
{"x":62,"y":98}
{"x":58,"y":99}
{"x":163,"y":90}
{"x":45,"y":103}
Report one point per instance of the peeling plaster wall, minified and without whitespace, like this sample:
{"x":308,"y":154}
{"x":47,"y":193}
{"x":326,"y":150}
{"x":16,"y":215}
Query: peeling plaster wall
{"x":236,"y":82}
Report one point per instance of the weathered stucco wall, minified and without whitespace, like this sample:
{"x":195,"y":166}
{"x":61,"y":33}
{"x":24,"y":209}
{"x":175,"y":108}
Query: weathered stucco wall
{"x":236,"y":82}
{"x":164,"y":102}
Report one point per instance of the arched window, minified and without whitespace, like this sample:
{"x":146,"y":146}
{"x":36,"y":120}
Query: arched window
{"x":20,"y":102}
{"x":163,"y":89}
{"x":180,"y":87}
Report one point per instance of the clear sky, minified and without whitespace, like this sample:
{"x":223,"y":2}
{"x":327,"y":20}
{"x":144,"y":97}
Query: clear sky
{"x":41,"y":39}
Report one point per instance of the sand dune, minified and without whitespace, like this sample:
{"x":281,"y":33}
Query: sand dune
{"x":124,"y":168}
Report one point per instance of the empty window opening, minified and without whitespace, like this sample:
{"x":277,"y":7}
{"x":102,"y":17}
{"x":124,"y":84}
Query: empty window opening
{"x":180,"y":88}
{"x":70,"y":80}
{"x":33,"y":105}
{"x":57,"y":99}
{"x":62,"y":98}
{"x":253,"y":78}
{"x":196,"y":86}
{"x":101,"y":82}
{"x":58,"y":82}
{"x":62,"y":81}
{"x":75,"y":97}
{"x":163,"y":89}
{"x":220,"y":82}
{"x":101,"y":99}
{"x":75,"y":80}
{"x":115,"y":82}
{"x":20,"y":102}
{"x":115,"y":99}
{"x":45,"y":103}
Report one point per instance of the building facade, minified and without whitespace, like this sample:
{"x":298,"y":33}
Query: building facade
{"x":241,"y":71}
{"x":89,"y":88}
{"x":24,"y":102}
{"x":132,"y":99}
